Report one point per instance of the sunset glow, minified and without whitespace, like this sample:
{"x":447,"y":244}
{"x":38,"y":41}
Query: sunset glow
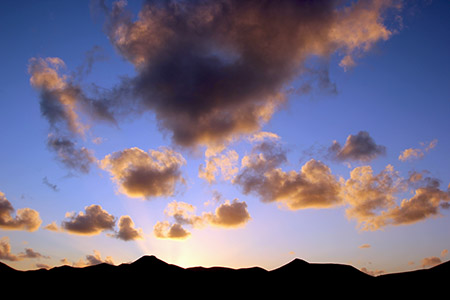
{"x":225,"y":133}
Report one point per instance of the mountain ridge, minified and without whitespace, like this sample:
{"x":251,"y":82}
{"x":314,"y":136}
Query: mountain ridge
{"x":149,"y":271}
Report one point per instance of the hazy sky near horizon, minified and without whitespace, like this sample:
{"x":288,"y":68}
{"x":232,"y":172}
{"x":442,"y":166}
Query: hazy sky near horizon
{"x":231,"y":133}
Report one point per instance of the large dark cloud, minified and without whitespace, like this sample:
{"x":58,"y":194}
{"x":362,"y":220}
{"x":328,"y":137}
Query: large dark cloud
{"x":214,"y":70}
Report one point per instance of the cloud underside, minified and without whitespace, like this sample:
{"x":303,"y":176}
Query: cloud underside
{"x":228,"y":215}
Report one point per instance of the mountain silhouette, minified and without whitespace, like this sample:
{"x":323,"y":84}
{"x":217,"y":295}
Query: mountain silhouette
{"x":298,"y":276}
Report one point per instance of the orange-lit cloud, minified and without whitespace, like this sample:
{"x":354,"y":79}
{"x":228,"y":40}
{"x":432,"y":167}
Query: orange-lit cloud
{"x":5,"y":252}
{"x":94,"y":221}
{"x":364,"y":246}
{"x":226,"y":164}
{"x":444,"y":253}
{"x":372,"y":272}
{"x":26,"y":218}
{"x":89,"y":260}
{"x":417,"y":153}
{"x":218,"y":72}
{"x":313,"y":186}
{"x":227,"y":215}
{"x":145,"y":174}
{"x":359,"y":147}
{"x":165,"y":230}
{"x":372,"y":198}
{"x":430,"y":261}
{"x":127,"y":230}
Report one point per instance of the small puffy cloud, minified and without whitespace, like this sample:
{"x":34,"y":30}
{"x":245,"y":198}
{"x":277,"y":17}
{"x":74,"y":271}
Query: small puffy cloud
{"x":444,"y":253}
{"x":165,"y":230}
{"x":431,"y":261}
{"x":42,"y":266}
{"x":417,"y":153}
{"x":30,"y":253}
{"x":94,"y":221}
{"x":89,"y":260}
{"x":359,"y":147}
{"x":313,"y":186}
{"x":145,"y":174}
{"x":226,"y":164}
{"x":97,"y":259}
{"x":5,"y":250}
{"x":127,"y":231}
{"x":229,"y":215}
{"x":25,"y":219}
{"x":226,"y":215}
{"x":52,"y":227}
{"x":364,"y":246}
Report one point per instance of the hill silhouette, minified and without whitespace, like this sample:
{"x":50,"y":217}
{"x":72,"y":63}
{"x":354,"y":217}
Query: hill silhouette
{"x":298,"y":276}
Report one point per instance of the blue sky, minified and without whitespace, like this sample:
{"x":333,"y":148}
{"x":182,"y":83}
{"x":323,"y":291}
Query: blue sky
{"x":397,"y":92}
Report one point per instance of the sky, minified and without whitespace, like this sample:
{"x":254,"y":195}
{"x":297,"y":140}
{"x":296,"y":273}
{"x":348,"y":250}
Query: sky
{"x":225,"y":133}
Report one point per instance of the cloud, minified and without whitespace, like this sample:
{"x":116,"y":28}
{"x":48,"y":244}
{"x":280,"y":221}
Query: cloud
{"x":30,"y":253}
{"x":54,"y":187}
{"x":89,"y":260}
{"x":74,"y":158}
{"x":67,"y":109}
{"x":371,"y":272}
{"x":165,"y":230}
{"x":26,"y":218}
{"x":94,"y":221}
{"x":430,"y":261}
{"x":226,"y":215}
{"x":229,"y":215}
{"x":313,"y":186}
{"x":52,"y":227}
{"x":417,"y":153}
{"x":127,"y":232}
{"x":226,"y":164}
{"x":97,"y":259}
{"x":145,"y":174}
{"x":212,"y":71}
{"x":364,"y":246}
{"x":367,"y":194}
{"x":372,"y":199}
{"x":5,"y":250}
{"x":359,"y":147}
{"x":444,"y":253}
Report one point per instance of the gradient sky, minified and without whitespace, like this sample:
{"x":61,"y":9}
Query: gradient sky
{"x":211,"y":136}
